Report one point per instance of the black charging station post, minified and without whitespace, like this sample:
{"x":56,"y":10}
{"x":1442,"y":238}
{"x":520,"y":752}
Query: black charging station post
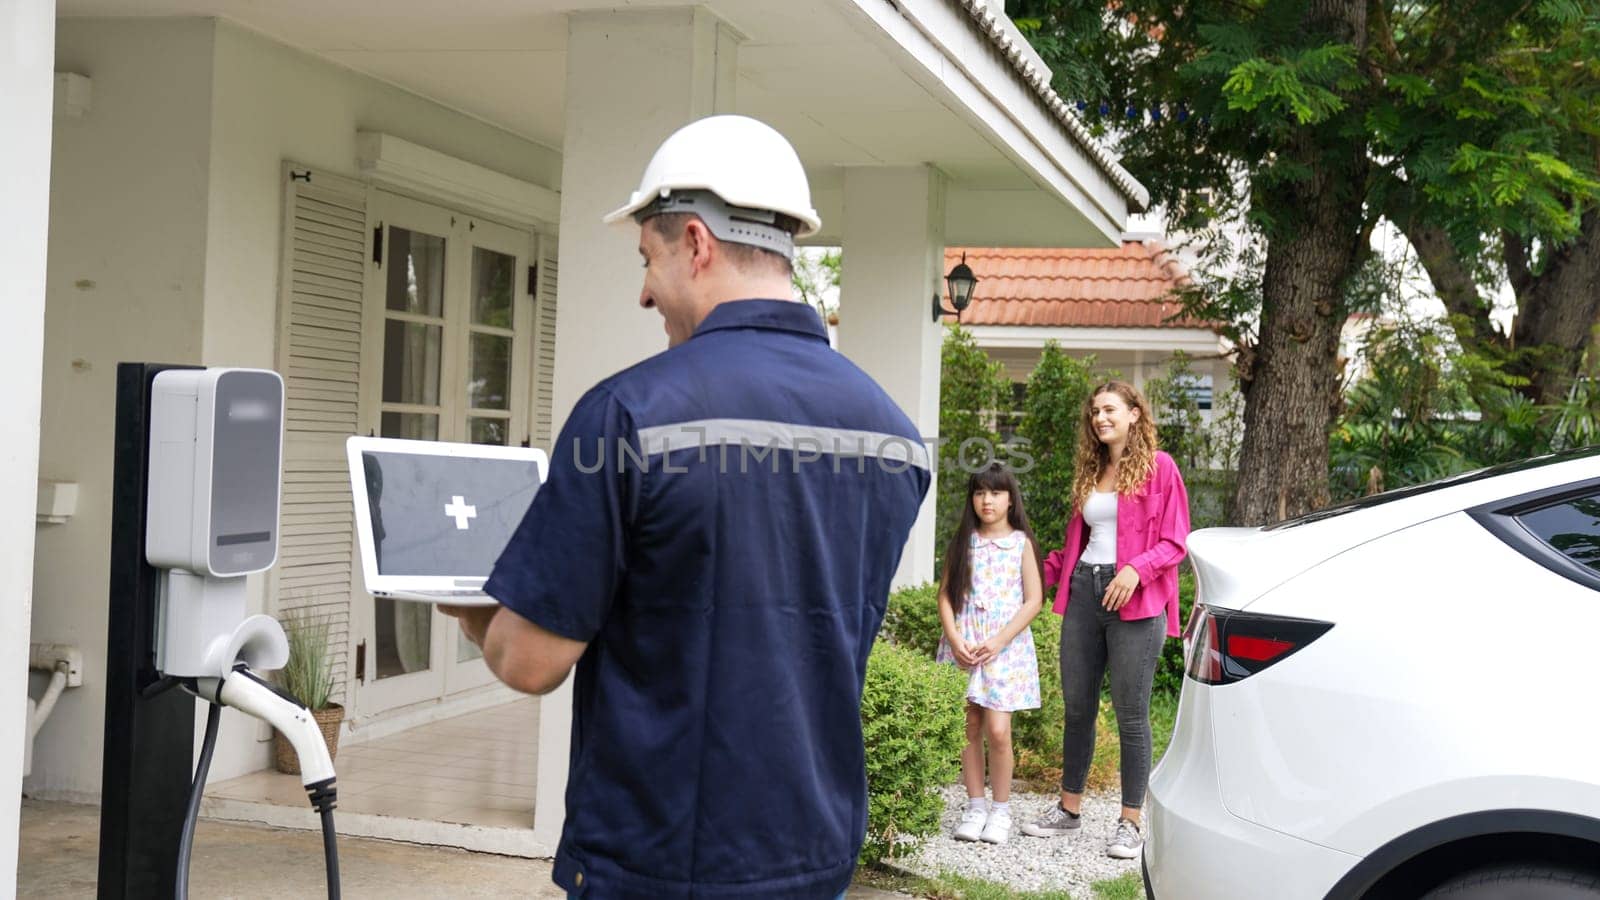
{"x":149,"y":735}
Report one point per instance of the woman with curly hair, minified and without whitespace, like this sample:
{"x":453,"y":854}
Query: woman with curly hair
{"x":1118,"y":600}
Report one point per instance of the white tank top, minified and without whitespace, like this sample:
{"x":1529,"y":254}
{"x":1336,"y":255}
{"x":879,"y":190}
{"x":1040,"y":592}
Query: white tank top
{"x":1100,"y":515}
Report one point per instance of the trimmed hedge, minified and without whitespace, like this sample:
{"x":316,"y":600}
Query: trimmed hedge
{"x":1169,"y":668}
{"x":1036,"y":733}
{"x":912,"y":622}
{"x":912,"y":619}
{"x":914,"y":724}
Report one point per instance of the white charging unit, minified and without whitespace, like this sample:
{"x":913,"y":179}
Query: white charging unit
{"x":215,"y":484}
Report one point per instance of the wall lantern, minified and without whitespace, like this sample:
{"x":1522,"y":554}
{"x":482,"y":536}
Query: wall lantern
{"x":960,"y":283}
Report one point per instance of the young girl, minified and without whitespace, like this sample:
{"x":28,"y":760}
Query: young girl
{"x":1118,"y":571}
{"x":992,"y":589}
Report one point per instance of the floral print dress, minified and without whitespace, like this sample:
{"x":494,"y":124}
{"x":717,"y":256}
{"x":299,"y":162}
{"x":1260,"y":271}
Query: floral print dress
{"x":1009,"y":681}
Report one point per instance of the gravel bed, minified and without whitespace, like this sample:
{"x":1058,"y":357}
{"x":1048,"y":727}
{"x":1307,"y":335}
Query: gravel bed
{"x":1072,"y":862}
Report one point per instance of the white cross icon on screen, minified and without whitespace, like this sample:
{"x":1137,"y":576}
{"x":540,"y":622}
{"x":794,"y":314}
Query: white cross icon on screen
{"x":460,"y":511}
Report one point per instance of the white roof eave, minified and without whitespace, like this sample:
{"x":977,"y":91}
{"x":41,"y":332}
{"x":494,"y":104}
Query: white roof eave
{"x":979,"y":65}
{"x":1031,"y":67}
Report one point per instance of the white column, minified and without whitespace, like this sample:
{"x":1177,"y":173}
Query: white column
{"x":633,"y":78}
{"x":28,"y":27}
{"x":893,"y":255}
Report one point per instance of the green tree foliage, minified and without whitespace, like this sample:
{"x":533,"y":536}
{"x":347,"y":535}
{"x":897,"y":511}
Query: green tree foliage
{"x":1057,"y":390}
{"x":1402,"y":421}
{"x":972,"y":388}
{"x":1180,"y":428}
{"x":1427,"y":409}
{"x":1491,"y":167}
{"x":816,"y":277}
{"x":1309,"y":121}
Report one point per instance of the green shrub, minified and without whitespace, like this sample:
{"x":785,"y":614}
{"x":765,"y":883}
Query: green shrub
{"x":1210,"y":496}
{"x":972,"y":389}
{"x":1036,"y":733}
{"x":1180,"y":428}
{"x":912,"y":622}
{"x":1057,"y":390}
{"x":912,"y":619}
{"x":1169,"y":668}
{"x":914,"y":723}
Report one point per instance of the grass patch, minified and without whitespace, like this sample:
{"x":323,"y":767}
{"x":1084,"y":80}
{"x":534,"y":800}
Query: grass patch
{"x":947,"y":886}
{"x":888,"y":878}
{"x":950,"y":886}
{"x":959,"y":887}
{"x":1127,"y":886}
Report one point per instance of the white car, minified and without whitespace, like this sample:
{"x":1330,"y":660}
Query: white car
{"x":1396,"y":697}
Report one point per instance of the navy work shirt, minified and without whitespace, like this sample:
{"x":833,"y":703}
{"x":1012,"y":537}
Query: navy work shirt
{"x":721,"y":523}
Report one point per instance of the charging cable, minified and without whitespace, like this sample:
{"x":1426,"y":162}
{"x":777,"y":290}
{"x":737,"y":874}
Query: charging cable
{"x":186,"y":843}
{"x":246,"y":692}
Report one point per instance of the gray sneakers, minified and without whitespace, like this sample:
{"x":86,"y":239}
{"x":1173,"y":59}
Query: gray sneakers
{"x":1126,"y":843}
{"x":1054,"y":823}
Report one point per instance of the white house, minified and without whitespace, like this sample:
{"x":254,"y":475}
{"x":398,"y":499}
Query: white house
{"x":378,"y":200}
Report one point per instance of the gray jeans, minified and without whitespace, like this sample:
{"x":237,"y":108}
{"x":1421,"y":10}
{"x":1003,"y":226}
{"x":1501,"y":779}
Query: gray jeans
{"x":1091,"y":638}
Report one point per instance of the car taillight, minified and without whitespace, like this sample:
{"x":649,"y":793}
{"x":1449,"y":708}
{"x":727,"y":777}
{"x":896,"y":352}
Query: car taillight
{"x":1225,"y":646}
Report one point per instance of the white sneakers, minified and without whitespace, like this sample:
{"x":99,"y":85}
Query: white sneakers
{"x":998,"y":830}
{"x":972,"y":823}
{"x":981,"y":824}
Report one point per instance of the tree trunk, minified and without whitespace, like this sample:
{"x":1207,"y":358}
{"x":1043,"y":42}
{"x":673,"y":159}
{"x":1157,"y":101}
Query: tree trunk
{"x":1557,"y":312}
{"x":1557,"y":309}
{"x":1452,"y":280}
{"x":1292,"y":388}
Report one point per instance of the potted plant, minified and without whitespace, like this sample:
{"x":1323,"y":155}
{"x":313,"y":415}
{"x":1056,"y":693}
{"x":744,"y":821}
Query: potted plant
{"x":308,"y":677}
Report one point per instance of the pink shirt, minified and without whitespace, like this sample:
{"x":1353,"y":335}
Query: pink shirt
{"x":1152,"y":528}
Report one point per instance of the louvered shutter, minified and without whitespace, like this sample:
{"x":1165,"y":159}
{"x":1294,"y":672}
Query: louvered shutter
{"x":319,"y":354}
{"x":544,"y":344}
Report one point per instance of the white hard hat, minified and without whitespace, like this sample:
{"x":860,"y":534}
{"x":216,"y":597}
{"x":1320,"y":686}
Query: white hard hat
{"x":744,"y":162}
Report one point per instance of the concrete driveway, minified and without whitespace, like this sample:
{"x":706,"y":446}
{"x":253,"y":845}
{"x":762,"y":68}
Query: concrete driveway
{"x":59,"y":858}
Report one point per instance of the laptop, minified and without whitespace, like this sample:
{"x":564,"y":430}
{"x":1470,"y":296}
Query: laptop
{"x":432,"y":517}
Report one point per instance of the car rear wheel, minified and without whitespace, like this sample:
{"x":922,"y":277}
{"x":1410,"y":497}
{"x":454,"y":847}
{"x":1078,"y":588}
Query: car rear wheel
{"x":1520,"y":882}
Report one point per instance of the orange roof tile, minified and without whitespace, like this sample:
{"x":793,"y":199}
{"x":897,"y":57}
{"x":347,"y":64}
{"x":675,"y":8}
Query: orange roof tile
{"x":1132,"y":286}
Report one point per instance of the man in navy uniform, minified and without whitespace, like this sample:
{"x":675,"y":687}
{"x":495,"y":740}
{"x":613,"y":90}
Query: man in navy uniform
{"x":713,"y":549}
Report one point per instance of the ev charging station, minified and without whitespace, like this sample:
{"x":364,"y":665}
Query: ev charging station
{"x":198,"y":479}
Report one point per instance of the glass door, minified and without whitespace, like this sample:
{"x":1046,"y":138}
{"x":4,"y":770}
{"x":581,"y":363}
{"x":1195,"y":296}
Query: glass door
{"x":445,"y":357}
{"x":493,"y":385}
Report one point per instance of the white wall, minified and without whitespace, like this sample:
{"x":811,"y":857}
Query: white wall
{"x":166,"y":212}
{"x":633,"y":78}
{"x":893,"y":251}
{"x":127,"y":264}
{"x":27,"y":29}
{"x":272,"y":102}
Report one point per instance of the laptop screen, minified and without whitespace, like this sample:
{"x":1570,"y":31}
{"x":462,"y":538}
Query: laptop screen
{"x":445,"y":515}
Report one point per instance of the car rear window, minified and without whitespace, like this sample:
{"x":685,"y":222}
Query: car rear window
{"x":1571,"y":527}
{"x":1349,"y":506}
